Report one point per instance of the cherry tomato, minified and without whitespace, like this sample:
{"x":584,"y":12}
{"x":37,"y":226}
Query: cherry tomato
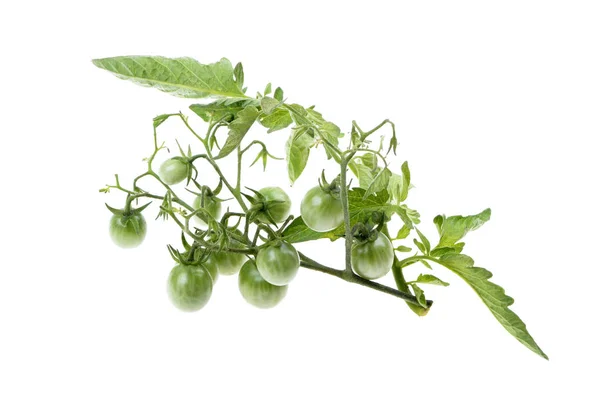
{"x":276,"y":203}
{"x":278,"y":263}
{"x":372,"y":259}
{"x":256,"y":290}
{"x":321,"y":211}
{"x":189,"y":287}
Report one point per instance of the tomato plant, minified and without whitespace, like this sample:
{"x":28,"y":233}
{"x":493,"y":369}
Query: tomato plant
{"x":258,"y":229}
{"x":256,"y":290}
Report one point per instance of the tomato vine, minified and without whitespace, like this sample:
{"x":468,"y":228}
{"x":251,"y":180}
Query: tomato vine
{"x":259,"y":238}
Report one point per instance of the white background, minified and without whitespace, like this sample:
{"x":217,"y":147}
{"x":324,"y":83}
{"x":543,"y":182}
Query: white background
{"x":496,"y":104}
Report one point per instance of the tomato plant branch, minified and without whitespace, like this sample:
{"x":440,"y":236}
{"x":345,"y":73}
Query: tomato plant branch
{"x":309,"y":263}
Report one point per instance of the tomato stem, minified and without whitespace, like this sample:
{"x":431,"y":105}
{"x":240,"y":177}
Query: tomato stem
{"x":309,"y":263}
{"x":344,"y":198}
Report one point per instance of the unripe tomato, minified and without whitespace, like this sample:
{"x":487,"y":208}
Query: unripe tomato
{"x":211,"y":266}
{"x":173,"y":171}
{"x":228,"y":263}
{"x":127,"y":231}
{"x":372,"y":259}
{"x":276,"y":202}
{"x":321,"y":211}
{"x":278,"y":263}
{"x":256,"y":290}
{"x":212,"y":205}
{"x":189,"y":287}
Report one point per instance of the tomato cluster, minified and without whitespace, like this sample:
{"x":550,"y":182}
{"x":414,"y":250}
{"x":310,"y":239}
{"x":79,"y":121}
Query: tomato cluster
{"x":264,"y":271}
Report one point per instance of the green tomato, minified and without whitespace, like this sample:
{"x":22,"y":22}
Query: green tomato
{"x":256,"y":290}
{"x":189,"y":287}
{"x":277,"y":203}
{"x":211,"y":205}
{"x":127,"y":231}
{"x":372,"y":259}
{"x":213,"y":269}
{"x":321,"y":211}
{"x":228,"y":263}
{"x":278,"y":263}
{"x":173,"y":171}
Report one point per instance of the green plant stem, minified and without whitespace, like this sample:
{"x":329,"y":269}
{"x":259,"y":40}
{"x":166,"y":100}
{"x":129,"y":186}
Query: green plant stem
{"x":309,"y":263}
{"x":344,"y":198}
{"x":415,"y":259}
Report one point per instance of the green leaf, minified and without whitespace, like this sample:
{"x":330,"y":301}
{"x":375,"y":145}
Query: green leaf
{"x":403,"y":287}
{"x":360,"y":211}
{"x":267,"y":90}
{"x":403,"y":249}
{"x":403,"y":232}
{"x":453,"y":229}
{"x":278,"y":94}
{"x":419,"y":246}
{"x":493,"y":297}
{"x":380,"y":181}
{"x":297,"y":150}
{"x":425,"y":241}
{"x":158,"y":120}
{"x":420,"y":295}
{"x":238,"y":74}
{"x":238,"y":129}
{"x":370,"y":177}
{"x":181,"y":77}
{"x":268,"y":105}
{"x":431,"y":280}
{"x":399,"y":184}
{"x":277,"y":120}
{"x":440,"y":251}
{"x":221,"y":109}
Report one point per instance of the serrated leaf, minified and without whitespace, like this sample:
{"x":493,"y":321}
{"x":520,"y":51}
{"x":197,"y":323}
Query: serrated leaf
{"x":221,"y":109}
{"x":431,"y":280}
{"x":268,"y":105}
{"x":238,"y":129}
{"x":403,"y":249}
{"x":297,"y":150}
{"x":454,"y":228}
{"x":493,"y":296}
{"x":360,"y":211}
{"x":277,"y":120}
{"x":181,"y":77}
